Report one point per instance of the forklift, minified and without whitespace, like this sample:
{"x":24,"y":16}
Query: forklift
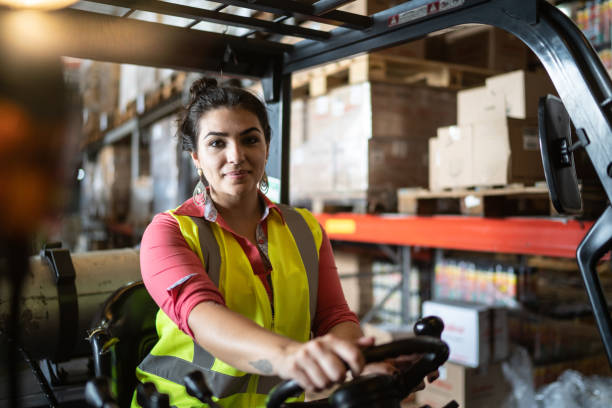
{"x":62,"y":283}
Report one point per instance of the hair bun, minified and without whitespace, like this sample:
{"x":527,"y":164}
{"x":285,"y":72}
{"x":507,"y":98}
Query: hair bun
{"x":200,"y":86}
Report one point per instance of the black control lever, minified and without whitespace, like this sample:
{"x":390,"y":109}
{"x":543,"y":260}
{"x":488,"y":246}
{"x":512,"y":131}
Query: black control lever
{"x":196,"y":386}
{"x":98,"y":394}
{"x":429,"y":326}
{"x":435,"y":353}
{"x":148,"y":396}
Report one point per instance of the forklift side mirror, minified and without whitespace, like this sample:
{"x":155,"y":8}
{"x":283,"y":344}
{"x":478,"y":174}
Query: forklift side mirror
{"x":557,"y":155}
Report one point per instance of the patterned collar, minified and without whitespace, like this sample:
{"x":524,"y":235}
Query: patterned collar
{"x":210,"y":213}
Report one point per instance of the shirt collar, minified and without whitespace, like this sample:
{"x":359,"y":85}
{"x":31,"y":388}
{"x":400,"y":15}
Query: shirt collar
{"x":209,"y":212}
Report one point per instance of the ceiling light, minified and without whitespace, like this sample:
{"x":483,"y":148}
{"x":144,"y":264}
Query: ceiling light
{"x":37,"y":4}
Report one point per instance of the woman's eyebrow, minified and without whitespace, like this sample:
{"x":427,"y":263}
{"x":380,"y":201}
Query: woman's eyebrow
{"x":215,"y":134}
{"x":225,"y":134}
{"x":244,"y":132}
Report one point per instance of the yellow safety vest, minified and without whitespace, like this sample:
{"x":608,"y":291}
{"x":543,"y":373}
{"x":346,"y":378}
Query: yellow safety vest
{"x":293,"y":249}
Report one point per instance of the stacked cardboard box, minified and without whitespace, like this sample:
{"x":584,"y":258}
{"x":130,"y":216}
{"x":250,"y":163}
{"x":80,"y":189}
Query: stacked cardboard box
{"x":495,"y":141}
{"x":365,"y":140}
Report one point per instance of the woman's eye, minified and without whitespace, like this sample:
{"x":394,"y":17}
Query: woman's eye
{"x":216,"y":143}
{"x":251,"y":139}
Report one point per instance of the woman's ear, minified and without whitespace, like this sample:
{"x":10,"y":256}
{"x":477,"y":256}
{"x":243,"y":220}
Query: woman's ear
{"x":194,"y":157}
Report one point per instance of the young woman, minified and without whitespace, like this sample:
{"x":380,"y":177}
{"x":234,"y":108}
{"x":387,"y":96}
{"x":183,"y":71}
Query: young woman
{"x":248,"y":289}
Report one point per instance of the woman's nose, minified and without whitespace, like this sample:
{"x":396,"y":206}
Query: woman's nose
{"x":235,"y":153}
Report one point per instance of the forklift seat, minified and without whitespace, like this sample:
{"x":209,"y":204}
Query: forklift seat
{"x":122,"y":334}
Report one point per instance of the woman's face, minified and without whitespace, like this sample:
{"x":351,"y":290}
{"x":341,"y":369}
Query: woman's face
{"x":231,"y":150}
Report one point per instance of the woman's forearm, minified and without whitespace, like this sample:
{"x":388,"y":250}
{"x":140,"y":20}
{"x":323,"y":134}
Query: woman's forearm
{"x":236,"y":340}
{"x":247,"y":346}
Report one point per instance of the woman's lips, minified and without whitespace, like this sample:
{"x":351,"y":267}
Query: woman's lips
{"x":237,"y":173}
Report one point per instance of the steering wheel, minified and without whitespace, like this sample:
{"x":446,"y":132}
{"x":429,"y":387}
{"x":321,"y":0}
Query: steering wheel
{"x":379,"y":390}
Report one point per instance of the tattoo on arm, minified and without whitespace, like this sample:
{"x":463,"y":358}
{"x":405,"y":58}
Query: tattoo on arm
{"x":263,"y":366}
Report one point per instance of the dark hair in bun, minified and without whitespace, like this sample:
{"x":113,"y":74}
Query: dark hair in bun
{"x":206,"y":95}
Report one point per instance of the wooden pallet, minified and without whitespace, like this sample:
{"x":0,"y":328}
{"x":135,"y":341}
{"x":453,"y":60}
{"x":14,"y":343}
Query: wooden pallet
{"x":390,"y":69}
{"x":502,"y":201}
{"x":334,"y":203}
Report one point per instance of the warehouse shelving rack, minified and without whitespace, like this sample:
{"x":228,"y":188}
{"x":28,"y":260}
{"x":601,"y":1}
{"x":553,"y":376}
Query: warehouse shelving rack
{"x":572,"y":64}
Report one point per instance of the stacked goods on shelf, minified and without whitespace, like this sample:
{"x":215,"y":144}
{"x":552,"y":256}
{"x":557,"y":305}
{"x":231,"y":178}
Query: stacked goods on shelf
{"x":360,"y":142}
{"x":595,"y":20}
{"x":495,"y":141}
{"x":100,"y":90}
{"x":106,"y":187}
{"x":113,"y":94}
{"x":487,"y":282}
{"x":556,"y":345}
{"x":560,"y":333}
{"x":548,"y":312}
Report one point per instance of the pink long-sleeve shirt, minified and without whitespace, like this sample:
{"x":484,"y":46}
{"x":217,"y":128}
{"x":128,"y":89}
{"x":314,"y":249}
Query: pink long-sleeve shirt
{"x":177,"y":281}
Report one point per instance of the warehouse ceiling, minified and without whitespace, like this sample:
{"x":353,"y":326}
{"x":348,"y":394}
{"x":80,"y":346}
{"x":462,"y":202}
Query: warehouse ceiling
{"x":247,"y":38}
{"x":279,"y":21}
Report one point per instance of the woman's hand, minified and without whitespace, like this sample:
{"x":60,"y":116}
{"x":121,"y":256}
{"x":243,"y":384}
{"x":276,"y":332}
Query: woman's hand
{"x":320,"y":362}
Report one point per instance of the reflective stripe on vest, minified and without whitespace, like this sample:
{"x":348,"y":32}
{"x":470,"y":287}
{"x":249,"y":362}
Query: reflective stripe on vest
{"x":306,"y":233}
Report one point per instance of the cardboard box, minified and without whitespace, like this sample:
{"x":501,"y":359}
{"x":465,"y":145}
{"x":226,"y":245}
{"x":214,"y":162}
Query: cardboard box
{"x":397,"y":162}
{"x":495,"y":152}
{"x":483,"y":387}
{"x":363,"y":141}
{"x":453,"y":164}
{"x":521,"y":91}
{"x":467,"y":330}
{"x":506,"y":151}
{"x":479,"y":105}
{"x":410,"y":111}
{"x":435,"y":164}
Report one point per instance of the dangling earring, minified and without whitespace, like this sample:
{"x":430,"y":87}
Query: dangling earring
{"x":263,"y":184}
{"x":200,"y":194}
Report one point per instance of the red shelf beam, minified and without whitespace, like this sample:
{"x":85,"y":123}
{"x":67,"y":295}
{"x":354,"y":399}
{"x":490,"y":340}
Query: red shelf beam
{"x":535,"y":236}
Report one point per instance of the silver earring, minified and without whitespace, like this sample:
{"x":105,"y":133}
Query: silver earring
{"x":200,"y":194}
{"x":263,"y":184}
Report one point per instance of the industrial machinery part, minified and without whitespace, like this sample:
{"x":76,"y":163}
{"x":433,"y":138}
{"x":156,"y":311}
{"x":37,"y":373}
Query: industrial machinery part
{"x":46,"y":323}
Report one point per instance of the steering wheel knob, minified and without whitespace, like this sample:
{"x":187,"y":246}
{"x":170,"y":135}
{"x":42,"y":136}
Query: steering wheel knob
{"x":429,"y":326}
{"x":147,"y":396}
{"x":98,"y":393}
{"x":196,"y":386}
